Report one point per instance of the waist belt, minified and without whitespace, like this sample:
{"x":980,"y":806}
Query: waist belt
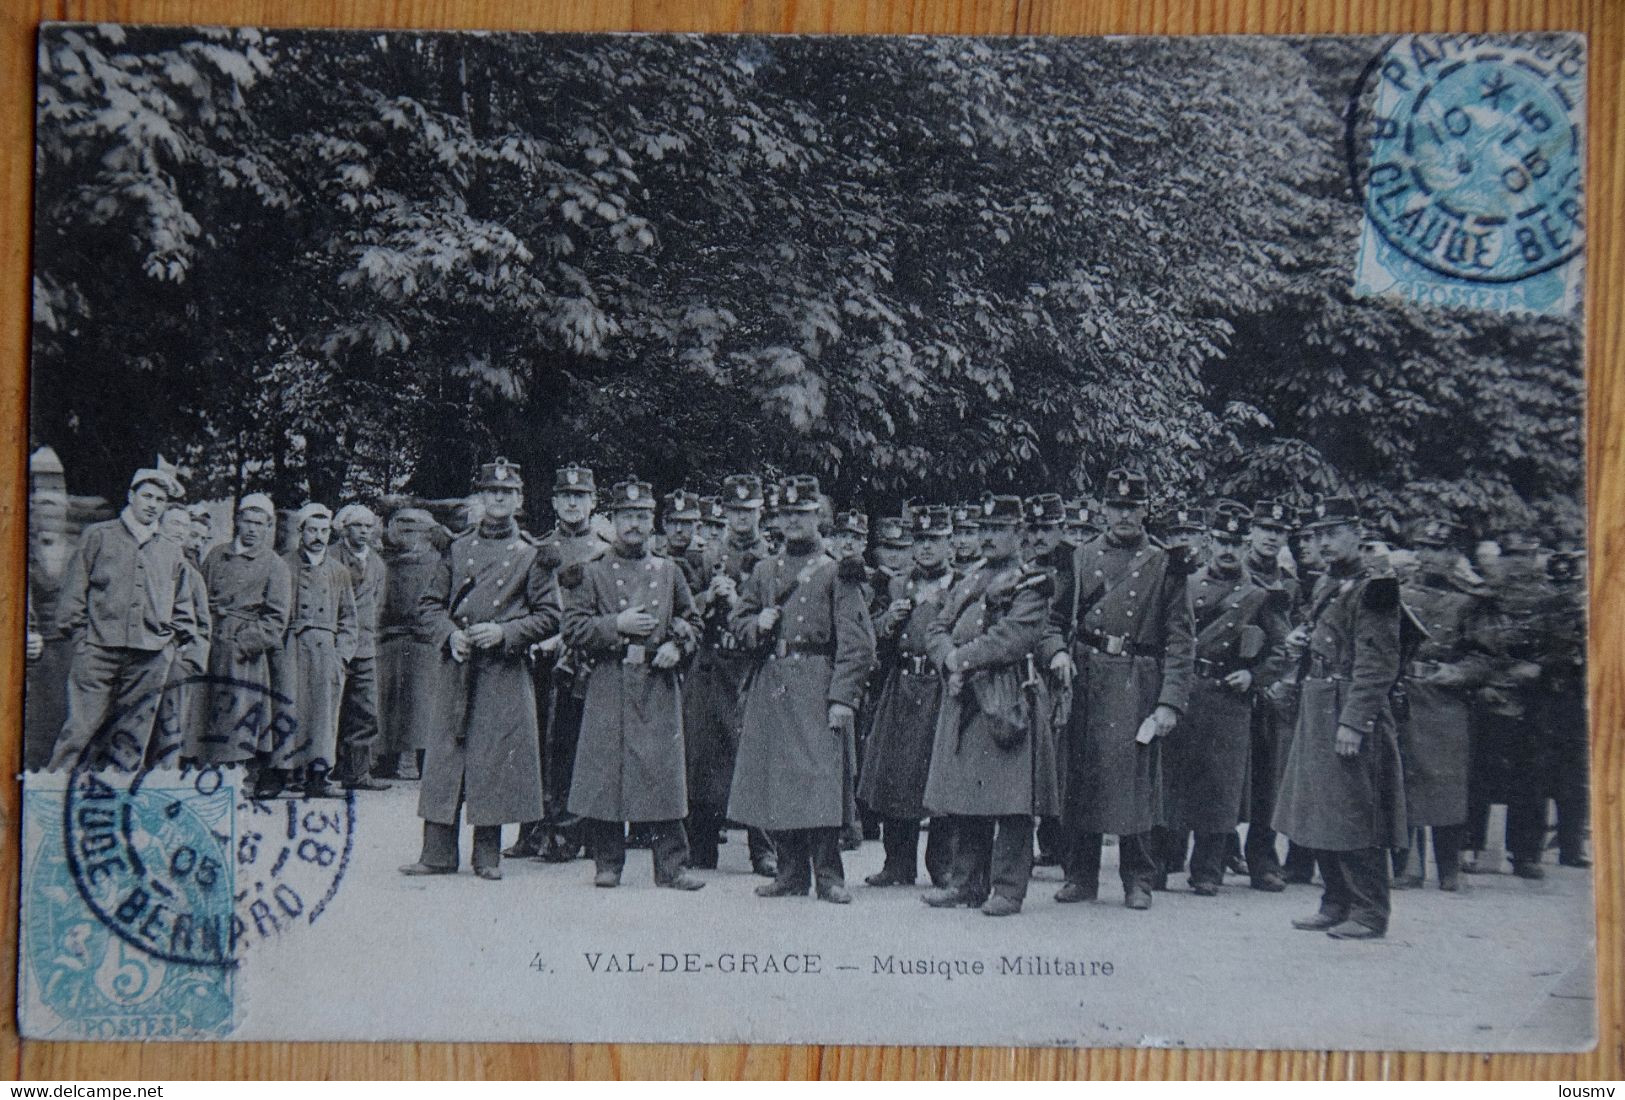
{"x":1214,"y":670}
{"x":802,"y":649}
{"x":300,"y":628}
{"x":1115,"y":645}
{"x":1421,"y":670}
{"x":1322,"y":669}
{"x":916,"y":664}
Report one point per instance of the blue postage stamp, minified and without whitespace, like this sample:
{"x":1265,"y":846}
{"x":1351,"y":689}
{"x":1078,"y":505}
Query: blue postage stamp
{"x":110,"y":885}
{"x":1467,"y":154}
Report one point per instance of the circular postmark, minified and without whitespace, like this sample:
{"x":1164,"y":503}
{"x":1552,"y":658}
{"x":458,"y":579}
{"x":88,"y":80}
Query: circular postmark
{"x":1467,"y":152}
{"x":184,"y":862}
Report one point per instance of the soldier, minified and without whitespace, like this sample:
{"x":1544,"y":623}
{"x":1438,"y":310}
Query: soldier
{"x":894,"y":552}
{"x":967,"y":541}
{"x":573,"y":541}
{"x":713,"y":694}
{"x":1561,"y":705}
{"x":125,"y":607}
{"x":898,"y":755}
{"x":1043,"y":534}
{"x":1343,"y":792}
{"x":199,"y":533}
{"x":1241,"y":630}
{"x":358,"y":712}
{"x":679,"y":523}
{"x":1129,"y":620}
{"x":1507,"y":757}
{"x":1081,"y":521}
{"x":1448,"y":668}
{"x":184,"y":707}
{"x":851,"y":536}
{"x":1299,"y":867}
{"x":410,"y":692}
{"x":308,"y":668}
{"x":1185,"y":527}
{"x":493,"y":597}
{"x":250,"y":592}
{"x":1274,"y":699}
{"x":713,"y":524}
{"x":806,"y":619}
{"x":631,"y":616}
{"x":993,"y":757}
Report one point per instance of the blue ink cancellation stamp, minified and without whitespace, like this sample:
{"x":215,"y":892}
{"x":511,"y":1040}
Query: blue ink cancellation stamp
{"x":1467,"y":153}
{"x":81,"y":976}
{"x":145,"y":884}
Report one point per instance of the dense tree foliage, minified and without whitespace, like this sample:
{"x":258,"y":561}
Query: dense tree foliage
{"x":336,"y":264}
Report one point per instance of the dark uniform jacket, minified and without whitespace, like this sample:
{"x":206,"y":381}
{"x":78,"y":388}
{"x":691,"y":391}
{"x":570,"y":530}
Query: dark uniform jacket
{"x":486,"y":750}
{"x":993,"y":753}
{"x":309,"y":665}
{"x":792,"y":770}
{"x":898,"y":754}
{"x":1240,"y":625}
{"x":629,"y":762}
{"x":1129,"y":621}
{"x":1346,"y":675}
{"x":713,"y":692}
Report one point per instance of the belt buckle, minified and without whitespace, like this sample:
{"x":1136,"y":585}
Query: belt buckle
{"x":1114,"y":645}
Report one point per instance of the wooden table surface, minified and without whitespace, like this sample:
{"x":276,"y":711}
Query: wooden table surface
{"x":1602,"y":20}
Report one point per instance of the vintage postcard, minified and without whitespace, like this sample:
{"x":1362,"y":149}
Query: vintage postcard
{"x":646,"y":538}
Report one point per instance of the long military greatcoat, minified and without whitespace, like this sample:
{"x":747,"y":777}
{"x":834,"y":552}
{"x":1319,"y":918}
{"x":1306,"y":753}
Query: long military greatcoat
{"x":412,"y":682}
{"x":1333,"y":802}
{"x":713,"y":691}
{"x":1448,"y":668}
{"x":792,"y":770}
{"x":897,"y":758}
{"x":1130,"y":599}
{"x":486,"y":751}
{"x":993,"y":619}
{"x":1206,"y":757}
{"x":309,"y":665}
{"x":629,"y":762}
{"x":249,"y":598}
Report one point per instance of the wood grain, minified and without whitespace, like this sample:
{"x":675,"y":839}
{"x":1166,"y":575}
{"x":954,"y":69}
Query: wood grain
{"x":1602,"y":20}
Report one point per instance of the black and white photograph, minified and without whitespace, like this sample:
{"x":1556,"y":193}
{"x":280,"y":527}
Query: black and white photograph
{"x":800,"y":539}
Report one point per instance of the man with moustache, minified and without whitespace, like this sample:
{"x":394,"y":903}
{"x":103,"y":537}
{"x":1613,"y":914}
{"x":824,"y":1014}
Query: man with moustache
{"x":309,"y":665}
{"x":898,"y":754}
{"x":1082,"y":521}
{"x":1343,"y":791}
{"x":1047,"y":546}
{"x":1241,"y":630}
{"x":713,"y":694}
{"x":358,"y":713}
{"x":555,"y":838}
{"x":632,"y":617}
{"x":1273,"y":710}
{"x":993,"y":756}
{"x":494,"y":596}
{"x":126,"y":608}
{"x":679,"y":528}
{"x":1130,"y":624}
{"x":805,"y":617}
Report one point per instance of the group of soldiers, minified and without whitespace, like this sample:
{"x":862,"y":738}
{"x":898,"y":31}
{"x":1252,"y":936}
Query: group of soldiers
{"x":763,"y":661}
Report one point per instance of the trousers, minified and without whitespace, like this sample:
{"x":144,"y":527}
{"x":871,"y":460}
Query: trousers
{"x":1356,"y":886}
{"x":992,"y":855}
{"x":668,"y":844}
{"x":358,"y":719}
{"x":1137,"y":861}
{"x":114,"y":687}
{"x":900,"y":839}
{"x":440,"y":845}
{"x":808,"y":855}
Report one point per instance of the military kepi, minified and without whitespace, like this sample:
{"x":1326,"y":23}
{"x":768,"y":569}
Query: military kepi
{"x":682,"y":504}
{"x":799,"y":493}
{"x":742,"y":491}
{"x":1126,"y":486}
{"x":499,"y":474}
{"x":1332,"y":512}
{"x":631,"y":493}
{"x":573,"y":479}
{"x":1000,"y":510}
